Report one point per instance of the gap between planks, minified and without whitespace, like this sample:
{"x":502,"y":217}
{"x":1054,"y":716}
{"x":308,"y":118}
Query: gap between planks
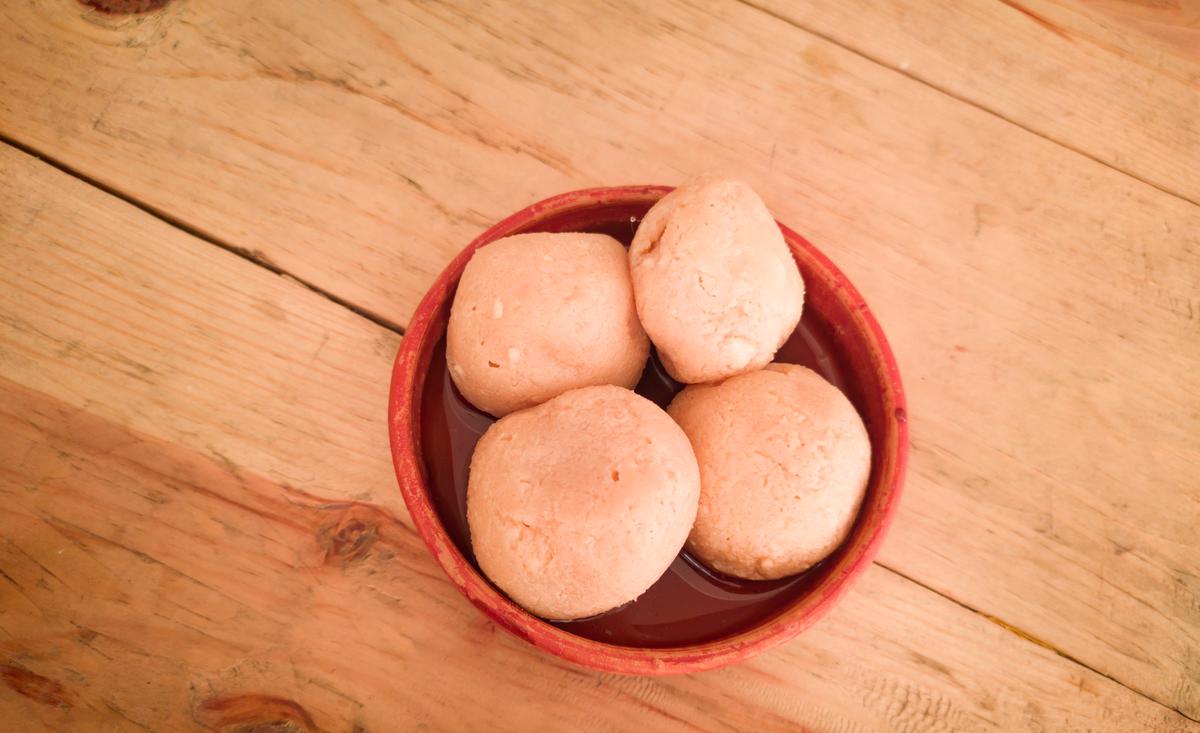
{"x":1033,"y":639}
{"x":253,"y":256}
{"x":258,"y":260}
{"x":957,"y":97}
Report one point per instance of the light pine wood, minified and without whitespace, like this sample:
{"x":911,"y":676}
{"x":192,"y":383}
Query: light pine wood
{"x":1174,"y":23}
{"x":1043,"y":305}
{"x":1157,"y":604}
{"x":343,"y":141}
{"x":158,"y":575}
{"x":1110,"y":78}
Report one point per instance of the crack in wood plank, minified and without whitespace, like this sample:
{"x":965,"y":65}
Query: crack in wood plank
{"x":254,"y":256}
{"x":971,"y":102}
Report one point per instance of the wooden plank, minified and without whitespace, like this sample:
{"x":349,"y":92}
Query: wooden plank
{"x":1073,"y":72}
{"x":188,"y":316}
{"x":1042,"y":305}
{"x":1175,"y":24}
{"x":153,"y":579}
{"x":362,"y":170}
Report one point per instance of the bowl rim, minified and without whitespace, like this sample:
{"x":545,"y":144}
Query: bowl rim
{"x":404,"y":401}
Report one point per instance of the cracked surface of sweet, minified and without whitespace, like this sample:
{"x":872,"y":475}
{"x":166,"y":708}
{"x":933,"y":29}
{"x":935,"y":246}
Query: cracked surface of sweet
{"x":536,"y":315}
{"x":715,"y":284}
{"x":576,"y":506}
{"x":784,"y":461}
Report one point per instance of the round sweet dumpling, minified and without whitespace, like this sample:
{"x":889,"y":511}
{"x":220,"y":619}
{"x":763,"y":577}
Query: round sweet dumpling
{"x":538,"y":314}
{"x":578,"y":505}
{"x":784,"y":462}
{"x":716,"y":287}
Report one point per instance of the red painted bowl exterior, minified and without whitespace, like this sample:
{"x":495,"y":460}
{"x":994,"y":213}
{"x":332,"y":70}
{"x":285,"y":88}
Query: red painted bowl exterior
{"x":865,"y":353}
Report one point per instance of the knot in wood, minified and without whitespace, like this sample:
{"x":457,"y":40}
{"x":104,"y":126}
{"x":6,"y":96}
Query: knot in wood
{"x":350,"y":541}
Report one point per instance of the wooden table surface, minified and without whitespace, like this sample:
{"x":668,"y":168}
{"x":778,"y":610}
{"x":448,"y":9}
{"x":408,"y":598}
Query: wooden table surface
{"x":217,"y":216}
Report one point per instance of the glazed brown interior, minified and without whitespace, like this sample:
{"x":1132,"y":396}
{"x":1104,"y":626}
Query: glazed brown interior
{"x":689,"y":605}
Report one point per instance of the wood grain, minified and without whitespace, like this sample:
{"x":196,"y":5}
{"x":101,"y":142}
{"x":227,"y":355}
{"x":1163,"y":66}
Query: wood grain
{"x":1055,"y":67}
{"x":344,"y":143}
{"x":1173,"y":23}
{"x":153,"y":579}
{"x":1043,"y":305}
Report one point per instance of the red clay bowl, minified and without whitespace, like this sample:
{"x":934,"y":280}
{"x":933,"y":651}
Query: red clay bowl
{"x":854,"y":346}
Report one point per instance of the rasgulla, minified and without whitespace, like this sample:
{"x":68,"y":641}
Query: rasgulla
{"x":716,"y":287}
{"x":784,"y":462}
{"x":576,"y":506}
{"x":536,"y":315}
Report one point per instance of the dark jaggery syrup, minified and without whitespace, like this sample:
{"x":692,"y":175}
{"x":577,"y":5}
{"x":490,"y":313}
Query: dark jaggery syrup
{"x":689,"y":604}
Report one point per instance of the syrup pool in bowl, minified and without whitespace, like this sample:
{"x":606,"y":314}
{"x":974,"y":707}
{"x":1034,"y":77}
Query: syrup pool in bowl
{"x":689,"y":604}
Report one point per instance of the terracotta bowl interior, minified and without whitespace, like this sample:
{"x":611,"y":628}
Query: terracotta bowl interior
{"x":869,"y":378}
